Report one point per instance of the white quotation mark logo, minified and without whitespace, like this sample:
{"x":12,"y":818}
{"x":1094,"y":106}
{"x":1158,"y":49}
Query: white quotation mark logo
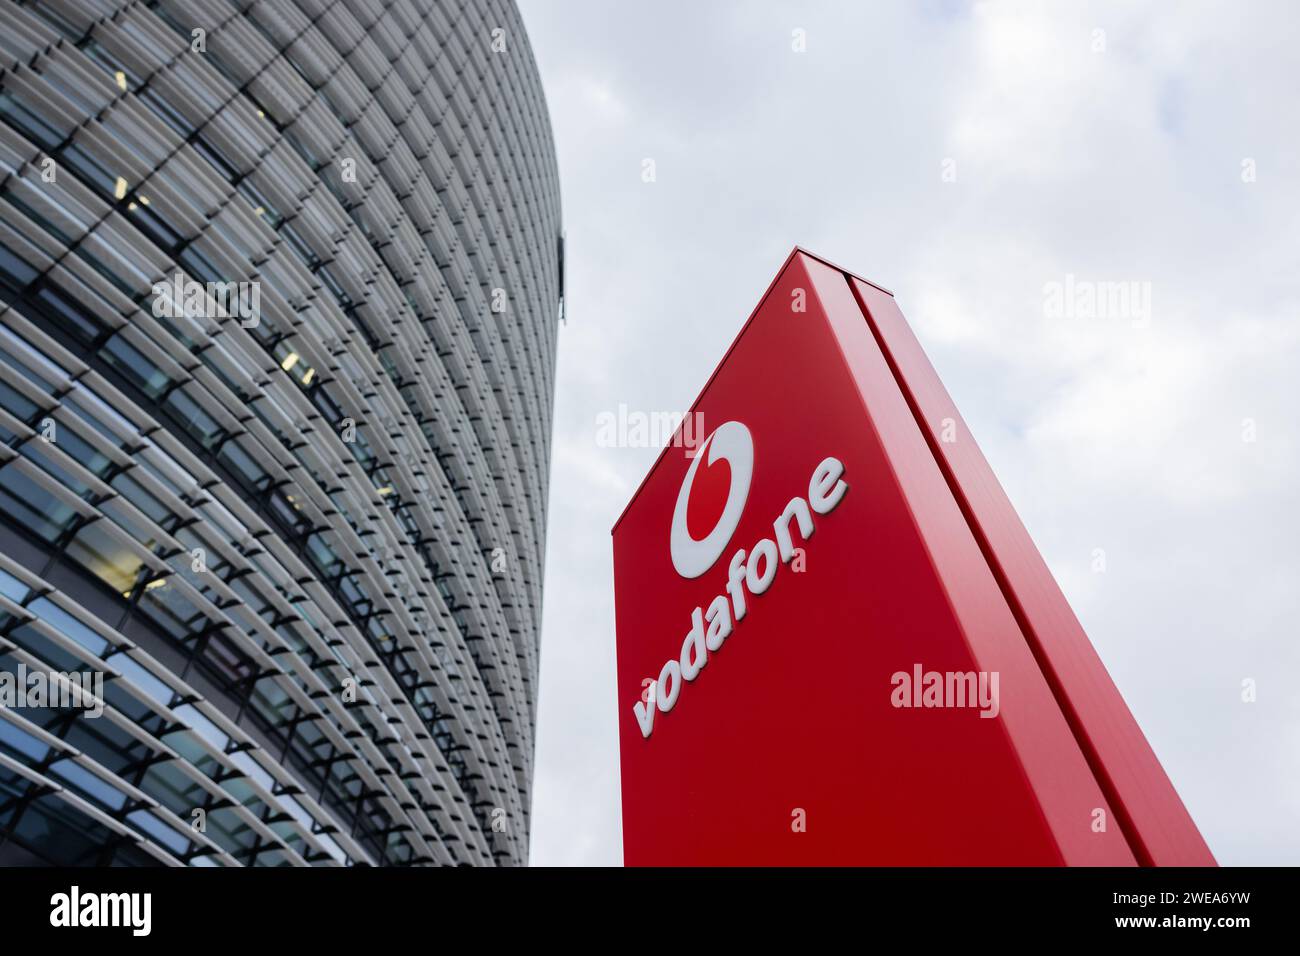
{"x":731,"y":442}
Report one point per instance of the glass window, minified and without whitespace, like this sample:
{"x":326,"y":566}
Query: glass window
{"x":139,"y":371}
{"x":203,"y":726}
{"x":31,"y":506}
{"x":165,"y":468}
{"x":30,"y":361}
{"x":17,"y":404}
{"x":151,"y":824}
{"x":15,"y":740}
{"x":189,"y":747}
{"x":89,"y":169}
{"x":83,"y":452}
{"x":42,"y":220}
{"x":39,"y":130}
{"x":30,"y":639}
{"x":172,"y":612}
{"x":137,"y":528}
{"x":106,"y":743}
{"x":106,"y":556}
{"x":170,"y":785}
{"x":55,"y":830}
{"x":227,"y":828}
{"x":154,"y":226}
{"x":42,"y":454}
{"x":231,"y":664}
{"x":88,"y":784}
{"x":253,"y":770}
{"x":166,"y":112}
{"x":141,"y":677}
{"x":66,"y":624}
{"x":241,"y":462}
{"x":273,"y":702}
{"x":96,"y":411}
{"x":12,"y":588}
{"x":125,"y":702}
{"x":202,"y":426}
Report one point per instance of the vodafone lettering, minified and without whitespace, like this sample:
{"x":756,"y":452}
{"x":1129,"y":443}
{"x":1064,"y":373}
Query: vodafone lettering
{"x":748,"y":573}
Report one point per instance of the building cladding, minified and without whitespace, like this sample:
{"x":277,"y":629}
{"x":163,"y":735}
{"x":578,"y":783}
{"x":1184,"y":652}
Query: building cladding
{"x":301,"y":538}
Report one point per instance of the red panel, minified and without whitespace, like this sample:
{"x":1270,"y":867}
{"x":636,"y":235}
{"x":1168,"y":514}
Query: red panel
{"x":1154,"y":818}
{"x":793,"y":717}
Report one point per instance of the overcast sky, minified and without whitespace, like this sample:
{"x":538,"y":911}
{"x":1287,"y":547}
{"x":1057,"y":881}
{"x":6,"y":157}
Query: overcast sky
{"x":965,"y":156}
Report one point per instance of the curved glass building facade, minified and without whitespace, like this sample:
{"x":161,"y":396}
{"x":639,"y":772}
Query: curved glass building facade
{"x":279,"y":288}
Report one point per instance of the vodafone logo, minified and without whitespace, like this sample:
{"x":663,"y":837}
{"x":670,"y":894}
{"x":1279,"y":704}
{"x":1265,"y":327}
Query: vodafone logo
{"x":729,"y":451}
{"x":750,"y":573}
